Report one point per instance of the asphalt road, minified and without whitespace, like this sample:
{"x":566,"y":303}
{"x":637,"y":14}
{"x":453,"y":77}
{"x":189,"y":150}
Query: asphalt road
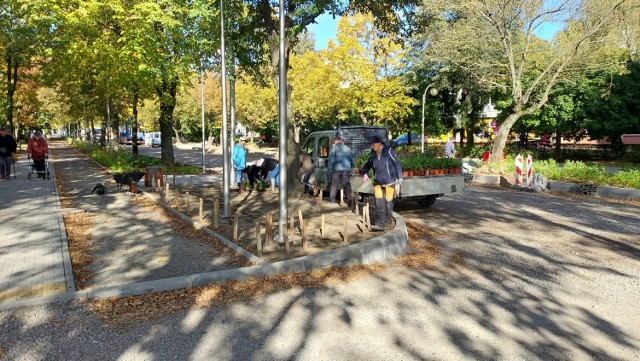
{"x":191,"y":153}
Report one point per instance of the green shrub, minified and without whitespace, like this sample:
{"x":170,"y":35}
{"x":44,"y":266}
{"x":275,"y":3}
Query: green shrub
{"x":122,"y":160}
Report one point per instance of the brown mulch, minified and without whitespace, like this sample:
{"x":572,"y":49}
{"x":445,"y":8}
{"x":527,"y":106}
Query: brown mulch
{"x":131,"y":310}
{"x":422,"y":251}
{"x":81,"y":247}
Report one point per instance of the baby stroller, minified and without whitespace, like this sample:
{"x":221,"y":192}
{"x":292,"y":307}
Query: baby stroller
{"x":40,"y":168}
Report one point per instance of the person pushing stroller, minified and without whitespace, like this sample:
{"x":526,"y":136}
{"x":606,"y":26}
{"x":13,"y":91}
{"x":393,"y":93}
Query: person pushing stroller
{"x":38,"y":150}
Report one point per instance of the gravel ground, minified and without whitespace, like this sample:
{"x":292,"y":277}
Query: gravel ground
{"x":520,"y":276}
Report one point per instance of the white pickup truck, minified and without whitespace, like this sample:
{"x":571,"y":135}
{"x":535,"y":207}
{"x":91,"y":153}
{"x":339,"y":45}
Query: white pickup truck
{"x":423,"y":189}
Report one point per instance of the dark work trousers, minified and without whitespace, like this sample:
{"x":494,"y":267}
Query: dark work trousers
{"x":341,"y":176}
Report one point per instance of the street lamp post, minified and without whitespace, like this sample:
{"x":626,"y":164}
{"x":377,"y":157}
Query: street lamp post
{"x":433,"y":93}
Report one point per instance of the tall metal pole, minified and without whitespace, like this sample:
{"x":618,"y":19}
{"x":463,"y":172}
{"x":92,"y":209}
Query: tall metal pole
{"x":225,"y":131}
{"x":282,"y":221}
{"x":204,"y":168}
{"x":232,"y":112}
{"x":423,"y":100}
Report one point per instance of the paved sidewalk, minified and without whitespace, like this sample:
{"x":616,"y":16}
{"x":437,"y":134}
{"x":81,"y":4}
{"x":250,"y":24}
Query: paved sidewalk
{"x":34,"y":259}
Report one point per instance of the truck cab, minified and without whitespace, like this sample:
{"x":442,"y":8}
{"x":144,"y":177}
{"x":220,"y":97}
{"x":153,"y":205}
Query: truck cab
{"x":357,"y":138}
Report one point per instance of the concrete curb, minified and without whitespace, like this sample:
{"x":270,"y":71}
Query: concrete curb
{"x":66,"y":258}
{"x":568,"y":187}
{"x":380,"y":248}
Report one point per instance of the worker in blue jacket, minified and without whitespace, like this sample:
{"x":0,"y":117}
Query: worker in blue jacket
{"x":240,"y":159}
{"x":387,"y":174}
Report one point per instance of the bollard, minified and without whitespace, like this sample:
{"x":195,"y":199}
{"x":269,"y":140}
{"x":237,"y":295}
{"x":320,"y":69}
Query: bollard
{"x":166,"y":191}
{"x":529,"y":172}
{"x":188,"y":210}
{"x":518,"y":174}
{"x":258,"y":240}
{"x":159,"y":185}
{"x":216,"y":213}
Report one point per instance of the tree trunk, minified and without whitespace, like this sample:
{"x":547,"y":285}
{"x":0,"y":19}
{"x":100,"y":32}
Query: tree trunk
{"x":12,"y":82}
{"x":167,"y":94}
{"x":103,"y":138}
{"x":501,"y":138}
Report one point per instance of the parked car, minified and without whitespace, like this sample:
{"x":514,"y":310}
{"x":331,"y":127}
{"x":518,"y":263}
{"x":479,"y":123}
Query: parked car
{"x":154,"y":139}
{"x":404,"y":139}
{"x":139,"y":140}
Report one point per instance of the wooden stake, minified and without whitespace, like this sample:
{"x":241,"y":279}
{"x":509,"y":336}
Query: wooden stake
{"x":235,"y":227}
{"x":269,"y":230}
{"x":341,"y":197}
{"x":292,"y":223}
{"x":345,"y":235}
{"x":273,"y":185}
{"x":304,"y":236}
{"x":201,"y":210}
{"x":258,"y":239}
{"x":188,"y":210}
{"x":301,"y":222}
{"x":174,"y":181}
{"x":166,"y":191}
{"x":216,"y":212}
{"x":364,"y":216}
{"x":368,"y":217}
{"x":159,"y":185}
{"x":322,"y":225}
{"x":287,"y":246}
{"x":354,"y":202}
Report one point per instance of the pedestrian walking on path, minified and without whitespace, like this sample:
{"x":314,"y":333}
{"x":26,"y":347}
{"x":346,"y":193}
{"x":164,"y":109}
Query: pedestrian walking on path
{"x":38,"y":150}
{"x":8,"y":147}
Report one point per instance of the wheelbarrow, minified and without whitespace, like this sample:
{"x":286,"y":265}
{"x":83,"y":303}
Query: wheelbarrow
{"x":126,"y":178}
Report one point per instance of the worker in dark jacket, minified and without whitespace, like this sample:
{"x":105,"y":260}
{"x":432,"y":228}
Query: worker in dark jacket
{"x":8,"y":147}
{"x":388,"y":173}
{"x":258,"y":170}
{"x":340,"y":169}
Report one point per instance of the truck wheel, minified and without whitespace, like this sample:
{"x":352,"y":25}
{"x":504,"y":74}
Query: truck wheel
{"x":427,"y":201}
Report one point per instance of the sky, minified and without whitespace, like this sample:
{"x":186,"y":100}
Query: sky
{"x":327,"y":26}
